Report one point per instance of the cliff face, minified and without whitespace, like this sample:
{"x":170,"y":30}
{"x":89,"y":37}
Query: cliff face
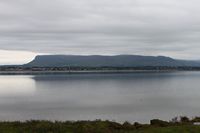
{"x":112,"y":61}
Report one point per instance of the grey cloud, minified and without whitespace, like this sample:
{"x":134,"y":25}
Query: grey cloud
{"x":148,"y":27}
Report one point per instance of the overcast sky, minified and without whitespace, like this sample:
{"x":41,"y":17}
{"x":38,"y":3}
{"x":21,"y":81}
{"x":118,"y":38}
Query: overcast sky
{"x":144,"y":27}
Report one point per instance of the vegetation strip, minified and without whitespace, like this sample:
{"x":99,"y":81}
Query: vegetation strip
{"x":176,"y":125}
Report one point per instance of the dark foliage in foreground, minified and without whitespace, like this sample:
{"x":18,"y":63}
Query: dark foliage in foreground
{"x":156,"y":126}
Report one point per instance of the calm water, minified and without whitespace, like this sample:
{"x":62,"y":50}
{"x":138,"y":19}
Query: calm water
{"x":133,"y":97}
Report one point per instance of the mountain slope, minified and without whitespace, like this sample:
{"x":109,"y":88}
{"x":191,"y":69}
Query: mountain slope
{"x":112,"y":61}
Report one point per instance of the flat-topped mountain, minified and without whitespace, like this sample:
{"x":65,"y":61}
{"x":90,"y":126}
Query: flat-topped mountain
{"x":110,"y":61}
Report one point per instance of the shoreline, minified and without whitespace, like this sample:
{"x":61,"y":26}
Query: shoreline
{"x":87,"y":72}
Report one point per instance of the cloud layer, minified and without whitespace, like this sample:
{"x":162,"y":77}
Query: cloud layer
{"x":15,"y":57}
{"x":147,"y":27}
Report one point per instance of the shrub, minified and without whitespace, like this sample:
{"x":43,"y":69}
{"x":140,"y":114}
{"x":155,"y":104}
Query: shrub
{"x":157,"y":122}
{"x":184,"y":119}
{"x":127,"y":125}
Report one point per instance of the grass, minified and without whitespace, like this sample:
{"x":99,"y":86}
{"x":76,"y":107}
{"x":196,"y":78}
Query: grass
{"x":98,"y":126}
{"x":171,"y":129}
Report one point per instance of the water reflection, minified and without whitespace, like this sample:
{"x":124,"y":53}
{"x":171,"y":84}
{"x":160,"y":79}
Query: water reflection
{"x":133,"y":97}
{"x":16,"y":86}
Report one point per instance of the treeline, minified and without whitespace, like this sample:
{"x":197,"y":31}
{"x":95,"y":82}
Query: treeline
{"x":176,"y":125}
{"x":79,"y":68}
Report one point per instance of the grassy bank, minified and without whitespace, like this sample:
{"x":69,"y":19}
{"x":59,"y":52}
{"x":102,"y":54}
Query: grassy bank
{"x":184,"y":125}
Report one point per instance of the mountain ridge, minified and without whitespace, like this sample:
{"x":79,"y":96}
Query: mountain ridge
{"x":107,"y":60}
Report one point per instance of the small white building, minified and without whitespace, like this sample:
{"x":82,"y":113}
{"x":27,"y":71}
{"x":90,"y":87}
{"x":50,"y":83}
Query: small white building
{"x":196,"y":123}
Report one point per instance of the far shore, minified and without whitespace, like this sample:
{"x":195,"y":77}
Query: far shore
{"x":86,"y":72}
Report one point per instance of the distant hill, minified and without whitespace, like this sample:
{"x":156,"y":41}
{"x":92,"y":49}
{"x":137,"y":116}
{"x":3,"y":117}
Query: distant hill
{"x":110,"y":61}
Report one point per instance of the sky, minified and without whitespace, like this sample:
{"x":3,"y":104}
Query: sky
{"x":104,"y":27}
